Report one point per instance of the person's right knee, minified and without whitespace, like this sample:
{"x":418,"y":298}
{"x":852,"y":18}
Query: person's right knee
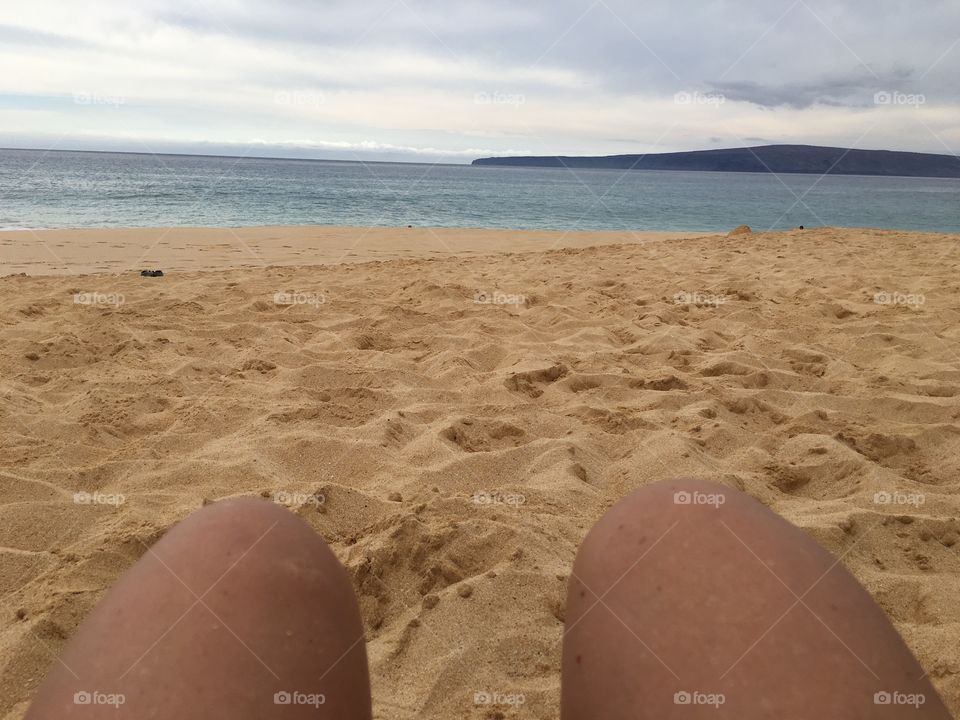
{"x":645,"y":523}
{"x":698,"y":588}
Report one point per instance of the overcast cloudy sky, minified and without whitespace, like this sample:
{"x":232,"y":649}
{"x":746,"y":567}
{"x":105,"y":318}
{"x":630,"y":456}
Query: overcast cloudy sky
{"x":457,"y":79}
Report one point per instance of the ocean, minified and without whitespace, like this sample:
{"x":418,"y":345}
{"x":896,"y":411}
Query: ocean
{"x":61,"y":189}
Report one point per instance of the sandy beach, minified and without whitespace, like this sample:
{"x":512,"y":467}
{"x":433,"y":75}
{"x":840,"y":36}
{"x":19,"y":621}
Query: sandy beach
{"x":452,"y":418}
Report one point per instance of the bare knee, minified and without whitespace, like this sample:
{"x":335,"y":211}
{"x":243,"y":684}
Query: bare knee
{"x":236,"y":520}
{"x":714,"y":588}
{"x":244,"y":532}
{"x":243,"y":581}
{"x":677,"y":517}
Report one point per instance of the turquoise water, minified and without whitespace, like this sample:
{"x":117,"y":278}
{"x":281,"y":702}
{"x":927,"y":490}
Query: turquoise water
{"x":67,"y":189}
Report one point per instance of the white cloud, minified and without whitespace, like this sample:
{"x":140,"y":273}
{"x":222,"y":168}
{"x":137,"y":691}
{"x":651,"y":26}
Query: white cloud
{"x":405,"y":77}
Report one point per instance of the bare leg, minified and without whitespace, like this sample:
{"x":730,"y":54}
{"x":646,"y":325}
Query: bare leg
{"x":719,"y":608}
{"x":241,"y":611}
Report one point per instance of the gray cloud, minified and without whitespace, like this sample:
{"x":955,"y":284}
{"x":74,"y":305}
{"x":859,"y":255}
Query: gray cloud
{"x":855,"y":90}
{"x":750,"y":46}
{"x":14,"y":35}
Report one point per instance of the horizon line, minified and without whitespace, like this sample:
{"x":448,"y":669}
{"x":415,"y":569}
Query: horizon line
{"x":233,"y":157}
{"x":467,"y":163}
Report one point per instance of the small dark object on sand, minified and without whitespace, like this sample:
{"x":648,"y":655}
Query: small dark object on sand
{"x":800,"y":228}
{"x":151,"y":273}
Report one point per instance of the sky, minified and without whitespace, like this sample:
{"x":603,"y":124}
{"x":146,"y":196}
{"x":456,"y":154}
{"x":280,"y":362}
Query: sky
{"x":453,"y":80}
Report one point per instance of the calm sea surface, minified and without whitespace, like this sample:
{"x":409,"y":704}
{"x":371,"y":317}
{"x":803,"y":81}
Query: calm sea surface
{"x":66,"y":189}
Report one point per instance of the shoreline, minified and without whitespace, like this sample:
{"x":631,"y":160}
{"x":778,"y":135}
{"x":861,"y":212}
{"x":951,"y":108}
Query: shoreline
{"x":117,"y":251}
{"x":120,"y":252}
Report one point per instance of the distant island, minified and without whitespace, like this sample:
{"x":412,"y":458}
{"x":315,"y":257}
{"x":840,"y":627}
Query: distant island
{"x":763,"y":159}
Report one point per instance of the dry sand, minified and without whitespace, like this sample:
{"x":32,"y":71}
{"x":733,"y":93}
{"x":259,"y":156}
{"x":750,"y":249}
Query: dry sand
{"x":398,"y":398}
